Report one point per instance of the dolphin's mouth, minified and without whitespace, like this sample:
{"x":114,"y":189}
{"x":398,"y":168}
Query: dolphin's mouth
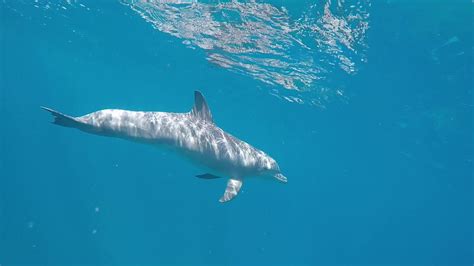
{"x":281,"y":178}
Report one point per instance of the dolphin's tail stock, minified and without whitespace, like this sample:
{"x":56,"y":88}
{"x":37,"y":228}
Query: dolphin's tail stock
{"x":62,"y":119}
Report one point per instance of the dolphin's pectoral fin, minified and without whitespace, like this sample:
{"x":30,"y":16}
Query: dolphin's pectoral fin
{"x":232,"y":189}
{"x":208,"y":176}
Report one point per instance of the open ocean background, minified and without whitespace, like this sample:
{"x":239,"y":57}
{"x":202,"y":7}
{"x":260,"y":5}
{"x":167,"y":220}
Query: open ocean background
{"x":366,"y":105}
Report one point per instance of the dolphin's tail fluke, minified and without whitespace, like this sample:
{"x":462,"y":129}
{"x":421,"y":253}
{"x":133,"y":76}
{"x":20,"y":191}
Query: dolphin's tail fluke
{"x":62,"y":119}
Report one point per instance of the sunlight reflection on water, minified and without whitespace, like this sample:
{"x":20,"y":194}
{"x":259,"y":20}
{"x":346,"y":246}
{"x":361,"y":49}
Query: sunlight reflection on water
{"x":304,"y":58}
{"x":264,"y":42}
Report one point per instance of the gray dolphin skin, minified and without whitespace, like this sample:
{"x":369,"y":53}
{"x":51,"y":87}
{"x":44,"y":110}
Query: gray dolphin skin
{"x":193,"y":134}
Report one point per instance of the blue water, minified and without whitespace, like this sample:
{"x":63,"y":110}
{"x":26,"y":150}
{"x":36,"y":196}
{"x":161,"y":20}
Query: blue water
{"x":366,"y":105}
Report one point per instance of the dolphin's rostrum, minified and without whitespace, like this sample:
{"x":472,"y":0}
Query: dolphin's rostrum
{"x":193,"y":134}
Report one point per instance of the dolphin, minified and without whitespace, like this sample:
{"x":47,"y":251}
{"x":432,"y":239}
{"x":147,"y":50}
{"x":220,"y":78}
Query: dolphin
{"x":192,"y":134}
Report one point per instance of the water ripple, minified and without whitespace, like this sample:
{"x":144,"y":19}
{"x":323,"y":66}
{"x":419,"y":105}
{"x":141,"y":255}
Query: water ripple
{"x":262,"y":41}
{"x":305,"y":58}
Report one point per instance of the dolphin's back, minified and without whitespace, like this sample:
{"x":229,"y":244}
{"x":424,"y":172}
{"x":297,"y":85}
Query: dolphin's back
{"x":191,"y":135}
{"x":140,"y":126}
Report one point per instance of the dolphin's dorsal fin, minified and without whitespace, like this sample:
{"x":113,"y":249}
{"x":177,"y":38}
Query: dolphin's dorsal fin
{"x":200,"y":108}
